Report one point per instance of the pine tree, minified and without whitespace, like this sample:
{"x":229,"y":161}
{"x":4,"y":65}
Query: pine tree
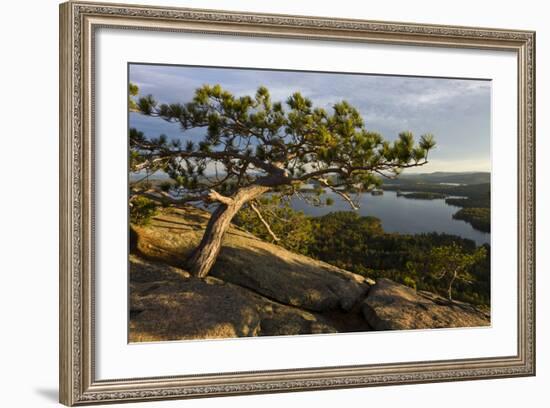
{"x":252,"y":146}
{"x":452,"y":263}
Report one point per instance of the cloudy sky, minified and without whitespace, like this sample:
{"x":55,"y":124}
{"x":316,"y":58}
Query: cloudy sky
{"x":456,"y":111}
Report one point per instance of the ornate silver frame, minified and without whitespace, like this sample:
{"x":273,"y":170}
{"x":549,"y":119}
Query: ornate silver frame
{"x":78,"y":22}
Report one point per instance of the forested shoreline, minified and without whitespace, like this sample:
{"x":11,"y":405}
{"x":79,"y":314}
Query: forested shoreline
{"x":366,"y":249}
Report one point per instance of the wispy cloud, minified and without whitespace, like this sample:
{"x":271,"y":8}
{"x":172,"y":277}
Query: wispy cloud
{"x":456,"y":111}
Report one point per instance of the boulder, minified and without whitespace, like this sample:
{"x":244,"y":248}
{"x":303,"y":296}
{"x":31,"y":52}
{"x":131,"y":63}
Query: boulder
{"x":287,"y":277}
{"x":247,"y":261}
{"x":166,"y":303}
{"x":281,"y":320}
{"x":392,"y":306}
{"x":182,"y":307}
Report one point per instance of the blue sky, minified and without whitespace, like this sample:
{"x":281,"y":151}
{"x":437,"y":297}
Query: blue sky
{"x":456,"y":111}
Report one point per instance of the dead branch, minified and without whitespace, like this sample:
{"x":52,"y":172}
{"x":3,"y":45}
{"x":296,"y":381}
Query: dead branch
{"x":263,"y":221}
{"x":342,"y":194}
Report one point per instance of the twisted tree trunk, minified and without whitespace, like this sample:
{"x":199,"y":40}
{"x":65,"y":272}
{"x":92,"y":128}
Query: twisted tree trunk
{"x":204,"y":256}
{"x":450,"y":287}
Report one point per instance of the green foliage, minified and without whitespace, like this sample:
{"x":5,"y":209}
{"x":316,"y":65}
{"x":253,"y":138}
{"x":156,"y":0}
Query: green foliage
{"x":340,"y":238}
{"x":480,"y":218}
{"x":254,"y":139}
{"x":451,"y":263}
{"x":133,"y":91}
{"x":424,"y":196}
{"x":475,"y":202}
{"x":292,"y":227}
{"x":166,"y":186}
{"x":142,"y":209}
{"x":408,"y":281}
{"x":360,"y":245}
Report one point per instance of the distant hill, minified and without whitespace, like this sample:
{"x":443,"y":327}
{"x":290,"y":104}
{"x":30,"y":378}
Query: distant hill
{"x":422,"y":178}
{"x":443,"y":177}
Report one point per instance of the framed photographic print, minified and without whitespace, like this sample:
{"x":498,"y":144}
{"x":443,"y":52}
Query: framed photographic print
{"x":258,"y":203}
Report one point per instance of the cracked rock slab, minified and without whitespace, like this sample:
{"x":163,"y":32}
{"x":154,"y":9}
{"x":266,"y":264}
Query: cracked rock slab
{"x":264,"y":268}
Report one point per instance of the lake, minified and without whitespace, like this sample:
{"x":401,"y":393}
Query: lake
{"x":402,"y":215}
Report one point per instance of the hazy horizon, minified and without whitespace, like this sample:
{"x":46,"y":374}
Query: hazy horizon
{"x":456,"y":111}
